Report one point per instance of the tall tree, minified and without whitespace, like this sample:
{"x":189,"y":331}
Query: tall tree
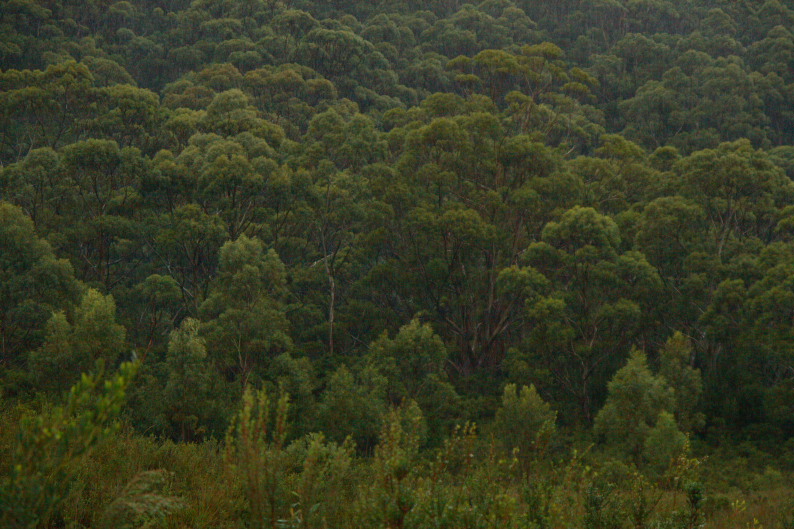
{"x":33,"y":284}
{"x":244,"y":322}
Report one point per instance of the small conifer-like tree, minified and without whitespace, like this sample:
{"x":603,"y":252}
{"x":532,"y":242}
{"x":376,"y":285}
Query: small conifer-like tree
{"x":187,"y":396}
{"x":525,"y":421}
{"x":686,"y":381}
{"x":664,"y":443}
{"x":636,"y":398}
{"x":255,"y":451}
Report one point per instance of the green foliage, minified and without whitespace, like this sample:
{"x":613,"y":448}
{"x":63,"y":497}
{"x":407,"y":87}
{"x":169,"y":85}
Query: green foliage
{"x":595,"y":288}
{"x":636,"y":399}
{"x":72,"y":348}
{"x":352,"y":407}
{"x":391,"y":497}
{"x":379,"y":204}
{"x":524,"y":422}
{"x":675,"y":366}
{"x":413,"y":365}
{"x":33,"y":283}
{"x":325,"y":485}
{"x":303,"y":484}
{"x":141,"y":503}
{"x":600,"y":509}
{"x":50,"y":447}
{"x":189,"y":397}
{"x":664,"y":443}
{"x":244,"y":320}
{"x":255,"y":446}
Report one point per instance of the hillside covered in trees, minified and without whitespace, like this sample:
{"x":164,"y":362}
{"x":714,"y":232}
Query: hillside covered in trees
{"x":357,"y":263}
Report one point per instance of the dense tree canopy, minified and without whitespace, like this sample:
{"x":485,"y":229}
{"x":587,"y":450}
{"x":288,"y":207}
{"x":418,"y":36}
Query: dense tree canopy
{"x":573,"y":215}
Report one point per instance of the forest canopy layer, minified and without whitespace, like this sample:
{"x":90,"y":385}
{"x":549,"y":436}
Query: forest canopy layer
{"x":570,"y":222}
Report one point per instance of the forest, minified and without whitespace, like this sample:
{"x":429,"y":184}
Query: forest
{"x":510,"y":264}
